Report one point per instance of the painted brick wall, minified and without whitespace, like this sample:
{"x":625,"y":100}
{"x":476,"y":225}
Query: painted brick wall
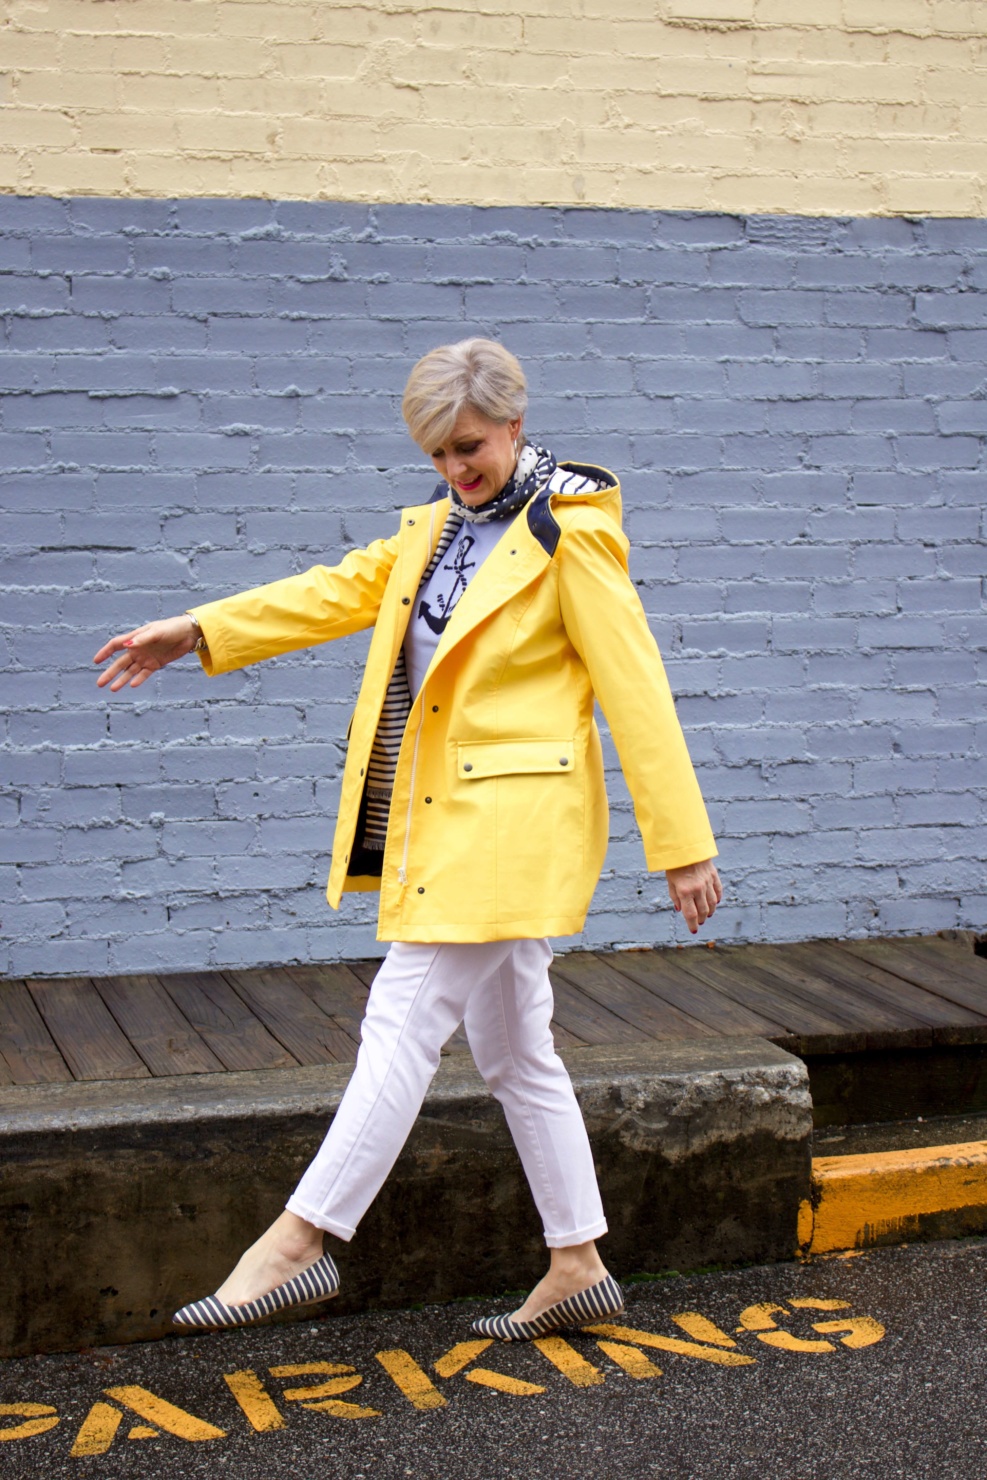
{"x":199,"y":396}
{"x":808,"y":106}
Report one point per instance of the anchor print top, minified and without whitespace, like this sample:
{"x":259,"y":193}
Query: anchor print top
{"x":436,"y":603}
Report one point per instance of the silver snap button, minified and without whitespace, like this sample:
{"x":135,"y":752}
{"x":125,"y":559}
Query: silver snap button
{"x":467,"y":765}
{"x":420,"y":890}
{"x":564,"y":761}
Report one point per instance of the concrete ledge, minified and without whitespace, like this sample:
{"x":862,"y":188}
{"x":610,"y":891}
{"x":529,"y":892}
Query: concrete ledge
{"x":120,"y":1201}
{"x":890,"y":1197}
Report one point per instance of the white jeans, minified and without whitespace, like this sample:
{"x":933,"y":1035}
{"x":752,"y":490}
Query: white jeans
{"x":419,"y":997}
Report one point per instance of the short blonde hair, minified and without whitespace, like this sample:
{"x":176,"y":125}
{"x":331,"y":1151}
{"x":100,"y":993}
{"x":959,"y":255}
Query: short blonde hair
{"x":476,"y":373}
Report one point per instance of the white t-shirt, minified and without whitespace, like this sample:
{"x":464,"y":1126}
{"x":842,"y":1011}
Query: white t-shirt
{"x":436,"y":603}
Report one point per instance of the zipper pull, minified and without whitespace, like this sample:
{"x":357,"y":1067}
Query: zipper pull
{"x":402,"y":876}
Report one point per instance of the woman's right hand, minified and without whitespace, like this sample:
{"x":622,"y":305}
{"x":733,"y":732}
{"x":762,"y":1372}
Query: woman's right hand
{"x":144,"y":650}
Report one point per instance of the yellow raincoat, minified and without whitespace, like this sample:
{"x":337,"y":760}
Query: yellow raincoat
{"x":498,"y":821}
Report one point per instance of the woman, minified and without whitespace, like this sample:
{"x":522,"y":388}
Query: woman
{"x":473,"y":799}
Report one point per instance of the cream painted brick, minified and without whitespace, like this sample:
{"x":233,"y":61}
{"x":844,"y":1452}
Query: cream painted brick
{"x":214,"y":133}
{"x":857,"y":47}
{"x":687,"y":114}
{"x":223,"y":56}
{"x":168,"y":17}
{"x":709,"y":10}
{"x":955,"y":196}
{"x":365,"y":25}
{"x":91,"y":53}
{"x":806,"y":157}
{"x":41,"y":127}
{"x":57,"y":173}
{"x":443,"y":105}
{"x":319,"y":60}
{"x":150,"y":174}
{"x":704,"y":79}
{"x":372,"y":99}
{"x":585,"y":72}
{"x":524,"y":69}
{"x":282,"y":180}
{"x":11,"y":171}
{"x":318,"y":138}
{"x":666,"y":190}
{"x":467,"y":28}
{"x":128,"y":130}
{"x":363,"y":180}
{"x":937,"y":51}
{"x":26,"y":49}
{"x":6,"y":88}
{"x":818,"y":14}
{"x":67,"y":89}
{"x":140,"y":54}
{"x":733,"y":44}
{"x":903,"y":15}
{"x":921,"y":121}
{"x":823,"y":195}
{"x":831,"y":80}
{"x":965,"y":17}
{"x":286,"y":22}
{"x":961,"y":85}
{"x":277,"y":98}
{"x":182,"y":94}
{"x":598,"y":38}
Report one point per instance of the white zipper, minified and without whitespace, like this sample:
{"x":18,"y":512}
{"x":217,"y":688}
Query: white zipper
{"x":403,"y":870}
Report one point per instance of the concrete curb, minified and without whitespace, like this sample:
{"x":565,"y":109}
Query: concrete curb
{"x":120,"y":1201}
{"x":890,"y":1197}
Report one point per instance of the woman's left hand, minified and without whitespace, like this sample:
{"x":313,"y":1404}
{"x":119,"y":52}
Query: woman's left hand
{"x":695,"y":891}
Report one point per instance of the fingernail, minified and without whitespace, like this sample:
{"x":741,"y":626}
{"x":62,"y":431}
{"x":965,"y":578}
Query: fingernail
{"x":128,"y":642}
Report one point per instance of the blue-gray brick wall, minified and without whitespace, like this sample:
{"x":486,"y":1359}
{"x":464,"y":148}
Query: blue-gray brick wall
{"x":202,"y":395}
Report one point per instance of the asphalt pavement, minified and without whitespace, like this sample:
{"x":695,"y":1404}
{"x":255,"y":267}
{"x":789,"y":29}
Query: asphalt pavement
{"x":871,"y":1366}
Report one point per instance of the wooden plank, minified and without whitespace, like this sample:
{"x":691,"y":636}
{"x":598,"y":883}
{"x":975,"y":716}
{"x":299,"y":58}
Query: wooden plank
{"x":797,"y":978}
{"x":902,"y":961}
{"x":367,"y":971}
{"x":910,"y":1004}
{"x":165,"y":1040}
{"x":781,"y":1000}
{"x":564,"y":1037}
{"x":954,"y":958}
{"x":292,"y":1017}
{"x":873,"y":981}
{"x":336,"y":991}
{"x":88,"y":1038}
{"x":586,"y":1019}
{"x":28,"y":1053}
{"x":626,"y":998}
{"x":659,"y":973}
{"x":224,"y":1022}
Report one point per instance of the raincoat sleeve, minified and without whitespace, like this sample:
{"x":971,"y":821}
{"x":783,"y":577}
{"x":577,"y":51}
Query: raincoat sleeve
{"x":297,"y":612}
{"x":606,"y":624}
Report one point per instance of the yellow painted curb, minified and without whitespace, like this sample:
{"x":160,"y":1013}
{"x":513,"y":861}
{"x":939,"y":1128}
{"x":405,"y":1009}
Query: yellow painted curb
{"x":879,"y":1198}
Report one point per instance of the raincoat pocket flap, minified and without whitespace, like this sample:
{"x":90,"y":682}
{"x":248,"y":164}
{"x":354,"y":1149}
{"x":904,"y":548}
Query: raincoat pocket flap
{"x":480,"y":759}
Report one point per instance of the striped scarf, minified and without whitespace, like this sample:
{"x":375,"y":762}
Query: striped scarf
{"x":535,"y":466}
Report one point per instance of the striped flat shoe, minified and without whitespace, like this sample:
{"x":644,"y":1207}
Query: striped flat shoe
{"x":319,"y":1282}
{"x":594,"y":1304}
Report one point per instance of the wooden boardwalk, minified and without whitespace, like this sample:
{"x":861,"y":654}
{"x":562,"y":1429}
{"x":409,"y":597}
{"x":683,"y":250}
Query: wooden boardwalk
{"x":823,"y":997}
